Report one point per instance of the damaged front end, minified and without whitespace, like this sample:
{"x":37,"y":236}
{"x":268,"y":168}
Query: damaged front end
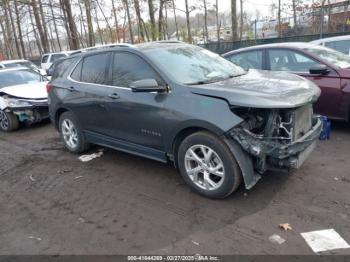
{"x":27,"y":110}
{"x":276,"y":138}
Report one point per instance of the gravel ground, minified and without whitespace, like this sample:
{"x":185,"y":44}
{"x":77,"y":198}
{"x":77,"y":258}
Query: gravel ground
{"x":52,"y":203}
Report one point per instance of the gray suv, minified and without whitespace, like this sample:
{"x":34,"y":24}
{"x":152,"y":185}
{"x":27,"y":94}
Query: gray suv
{"x":170,"y":101}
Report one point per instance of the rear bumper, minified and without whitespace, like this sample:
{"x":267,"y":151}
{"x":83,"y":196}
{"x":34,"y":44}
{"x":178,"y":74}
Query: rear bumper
{"x":274,"y":154}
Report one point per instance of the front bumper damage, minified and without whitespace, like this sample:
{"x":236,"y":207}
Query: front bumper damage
{"x":262,"y":153}
{"x":35,"y":111}
{"x":271,"y":153}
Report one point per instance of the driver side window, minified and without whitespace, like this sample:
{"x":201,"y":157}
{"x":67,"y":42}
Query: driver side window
{"x":288,"y":60}
{"x":128,"y":68}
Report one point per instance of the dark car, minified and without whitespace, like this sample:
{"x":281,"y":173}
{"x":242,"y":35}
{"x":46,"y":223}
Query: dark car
{"x":327,"y":68}
{"x":171,"y":101}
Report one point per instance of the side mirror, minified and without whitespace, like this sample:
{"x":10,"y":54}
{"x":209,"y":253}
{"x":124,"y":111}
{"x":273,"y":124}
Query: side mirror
{"x":146,"y":85}
{"x":49,"y":72}
{"x":319,"y":70}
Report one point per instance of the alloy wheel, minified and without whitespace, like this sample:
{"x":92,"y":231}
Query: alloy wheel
{"x":69,"y":133}
{"x":4,"y":122}
{"x":204,"y":167}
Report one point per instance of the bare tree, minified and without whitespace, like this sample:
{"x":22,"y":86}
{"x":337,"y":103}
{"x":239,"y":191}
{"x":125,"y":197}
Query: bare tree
{"x":160,"y":19}
{"x":279,"y":19}
{"x":189,"y":34}
{"x":205,"y":20}
{"x":106,"y":20}
{"x":329,"y":24}
{"x":18,"y":50}
{"x":139,"y":19}
{"x":37,"y":38}
{"x":39,"y":26}
{"x":234,"y":19}
{"x":42,"y":16}
{"x":55,"y":25}
{"x":152,"y":20}
{"x":126,"y":4}
{"x":91,"y":35}
{"x":114,"y":10}
{"x":175,"y":19}
{"x":217,"y":21}
{"x":71,"y":24}
{"x":20,"y":30}
{"x":294,"y":13}
{"x":242,"y":24}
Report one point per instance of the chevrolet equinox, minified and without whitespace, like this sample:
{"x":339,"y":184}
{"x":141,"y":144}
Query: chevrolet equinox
{"x":171,"y":101}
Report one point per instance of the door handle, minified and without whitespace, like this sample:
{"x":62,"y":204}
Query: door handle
{"x":71,"y":88}
{"x":114,"y":96}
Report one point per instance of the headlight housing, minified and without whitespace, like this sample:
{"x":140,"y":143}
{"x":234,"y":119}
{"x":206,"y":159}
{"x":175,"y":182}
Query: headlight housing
{"x":11,"y":102}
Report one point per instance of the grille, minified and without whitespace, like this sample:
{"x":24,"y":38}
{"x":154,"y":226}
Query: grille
{"x":302,"y":121}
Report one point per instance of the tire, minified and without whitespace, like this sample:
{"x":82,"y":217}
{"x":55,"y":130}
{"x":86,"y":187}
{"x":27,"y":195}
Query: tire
{"x":210,"y":178}
{"x":72,"y":134}
{"x":8,"y":121}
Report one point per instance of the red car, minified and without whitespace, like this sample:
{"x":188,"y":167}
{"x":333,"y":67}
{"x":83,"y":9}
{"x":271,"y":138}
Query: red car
{"x":327,"y":68}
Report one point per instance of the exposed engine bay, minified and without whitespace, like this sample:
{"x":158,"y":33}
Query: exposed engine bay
{"x":277,"y":138}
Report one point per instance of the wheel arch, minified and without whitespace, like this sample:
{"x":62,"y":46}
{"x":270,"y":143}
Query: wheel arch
{"x":179,"y":134}
{"x":58,"y":114}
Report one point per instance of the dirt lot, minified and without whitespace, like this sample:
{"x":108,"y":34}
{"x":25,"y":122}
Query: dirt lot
{"x":52,"y":203}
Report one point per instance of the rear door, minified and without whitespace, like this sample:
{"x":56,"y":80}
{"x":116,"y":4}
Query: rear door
{"x":296,"y":62}
{"x":88,"y":92}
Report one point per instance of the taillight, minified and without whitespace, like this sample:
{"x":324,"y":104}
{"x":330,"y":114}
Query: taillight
{"x":48,"y":87}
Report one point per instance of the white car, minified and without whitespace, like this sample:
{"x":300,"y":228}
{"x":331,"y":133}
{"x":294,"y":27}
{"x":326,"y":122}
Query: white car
{"x":339,"y":43}
{"x":21,"y":63}
{"x":48,"y":59}
{"x":23,"y":98}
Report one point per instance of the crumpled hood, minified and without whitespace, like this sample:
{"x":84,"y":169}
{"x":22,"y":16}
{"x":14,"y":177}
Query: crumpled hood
{"x":263,"y":89}
{"x":27,"y":91}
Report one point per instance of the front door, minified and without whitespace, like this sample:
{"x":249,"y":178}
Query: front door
{"x":135,"y":117}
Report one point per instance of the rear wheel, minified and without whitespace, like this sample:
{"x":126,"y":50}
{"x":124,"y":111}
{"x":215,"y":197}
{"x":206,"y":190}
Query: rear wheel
{"x":208,"y":166}
{"x":72,"y":134}
{"x":8,"y":121}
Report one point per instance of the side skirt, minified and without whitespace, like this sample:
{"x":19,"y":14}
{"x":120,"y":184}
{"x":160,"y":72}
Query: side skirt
{"x":124,"y":146}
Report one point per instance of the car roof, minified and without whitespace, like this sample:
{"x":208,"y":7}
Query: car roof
{"x":331,"y":39}
{"x":13,"y":61}
{"x":58,"y":53}
{"x":160,"y":44}
{"x":293,"y":45}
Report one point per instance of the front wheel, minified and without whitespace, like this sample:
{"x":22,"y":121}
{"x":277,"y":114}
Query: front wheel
{"x":208,"y":166}
{"x":8,"y":121}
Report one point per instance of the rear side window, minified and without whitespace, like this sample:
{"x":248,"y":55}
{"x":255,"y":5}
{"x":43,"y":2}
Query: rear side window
{"x":341,"y":46}
{"x":128,"y":68}
{"x":61,"y":67}
{"x":56,"y":57}
{"x":94,"y":69}
{"x":248,"y":60}
{"x":76,"y":75}
{"x":44,"y":59}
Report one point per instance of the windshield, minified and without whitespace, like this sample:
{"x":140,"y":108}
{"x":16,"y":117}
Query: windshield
{"x":189,"y":64}
{"x":18,"y":77}
{"x":334,"y":57}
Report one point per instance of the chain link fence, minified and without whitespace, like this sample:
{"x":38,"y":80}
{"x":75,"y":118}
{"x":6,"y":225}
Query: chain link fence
{"x":225,"y":46}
